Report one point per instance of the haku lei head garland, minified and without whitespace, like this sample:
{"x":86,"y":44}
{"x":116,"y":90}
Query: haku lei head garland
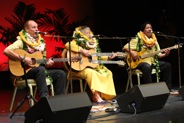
{"x":84,"y":41}
{"x":149,"y":42}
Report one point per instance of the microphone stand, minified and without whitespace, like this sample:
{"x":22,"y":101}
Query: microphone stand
{"x":28,"y":96}
{"x":178,"y":41}
{"x":70,"y":75}
{"x":128,"y":40}
{"x":70,"y":61}
{"x":98,"y":37}
{"x":130,"y":70}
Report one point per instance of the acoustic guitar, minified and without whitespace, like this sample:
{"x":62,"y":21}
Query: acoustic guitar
{"x":16,"y":66}
{"x":142,"y":55}
{"x":92,"y":61}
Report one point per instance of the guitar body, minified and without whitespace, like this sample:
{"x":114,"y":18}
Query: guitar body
{"x":134,"y":63}
{"x":16,"y":67}
{"x":83,"y":61}
{"x":141,"y":55}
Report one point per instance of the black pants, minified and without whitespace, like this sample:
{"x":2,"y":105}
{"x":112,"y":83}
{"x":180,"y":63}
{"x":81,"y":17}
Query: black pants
{"x":58,"y":76}
{"x":165,"y":75}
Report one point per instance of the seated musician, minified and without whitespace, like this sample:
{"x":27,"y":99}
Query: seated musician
{"x":146,"y":42}
{"x":29,"y":42}
{"x":98,"y":78}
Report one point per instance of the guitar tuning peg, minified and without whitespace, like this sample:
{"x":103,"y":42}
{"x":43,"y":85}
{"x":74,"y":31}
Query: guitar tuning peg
{"x":121,"y":63}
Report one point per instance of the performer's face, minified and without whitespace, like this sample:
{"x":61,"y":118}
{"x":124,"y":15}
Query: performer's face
{"x":148,"y":31}
{"x":32,"y":28}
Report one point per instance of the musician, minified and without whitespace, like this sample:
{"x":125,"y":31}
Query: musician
{"x":100,"y":78}
{"x":31,"y":42}
{"x":146,"y":41}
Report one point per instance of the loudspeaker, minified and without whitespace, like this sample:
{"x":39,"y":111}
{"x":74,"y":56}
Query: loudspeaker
{"x":143,"y":98}
{"x":60,"y":108}
{"x":181,"y":92}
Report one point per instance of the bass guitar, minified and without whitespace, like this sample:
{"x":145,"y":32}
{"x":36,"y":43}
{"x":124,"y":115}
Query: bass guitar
{"x":141,"y":55}
{"x":16,"y":67}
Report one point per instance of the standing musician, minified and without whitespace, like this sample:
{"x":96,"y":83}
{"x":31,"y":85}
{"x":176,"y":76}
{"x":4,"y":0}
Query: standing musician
{"x":31,"y":42}
{"x":99,"y":78}
{"x":146,"y":42}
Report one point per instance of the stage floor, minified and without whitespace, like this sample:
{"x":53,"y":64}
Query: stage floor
{"x":172,"y":112}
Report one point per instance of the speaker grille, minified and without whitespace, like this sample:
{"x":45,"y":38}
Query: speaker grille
{"x":145,"y":97}
{"x":60,"y":108}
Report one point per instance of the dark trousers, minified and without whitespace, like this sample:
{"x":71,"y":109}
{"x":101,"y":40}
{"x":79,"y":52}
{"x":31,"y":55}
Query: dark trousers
{"x":39,"y":74}
{"x":165,"y":74}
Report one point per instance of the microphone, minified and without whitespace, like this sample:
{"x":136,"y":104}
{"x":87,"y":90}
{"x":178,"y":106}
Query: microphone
{"x":39,"y":32}
{"x":160,"y":34}
{"x":156,"y":32}
{"x":95,"y":36}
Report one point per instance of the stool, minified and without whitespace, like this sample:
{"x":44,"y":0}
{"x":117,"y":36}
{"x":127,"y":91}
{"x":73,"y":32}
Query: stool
{"x":19,"y":83}
{"x":76,"y":78}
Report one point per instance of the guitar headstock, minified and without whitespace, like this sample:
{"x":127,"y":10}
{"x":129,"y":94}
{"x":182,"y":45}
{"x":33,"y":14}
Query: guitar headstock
{"x":121,"y":63}
{"x":180,"y":45}
{"x":177,"y":46}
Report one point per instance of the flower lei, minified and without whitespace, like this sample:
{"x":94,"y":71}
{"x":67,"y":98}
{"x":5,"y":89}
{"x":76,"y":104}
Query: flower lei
{"x":150,"y":42}
{"x":84,"y":41}
{"x":23,"y":36}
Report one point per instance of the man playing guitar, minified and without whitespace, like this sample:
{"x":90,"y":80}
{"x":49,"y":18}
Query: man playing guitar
{"x":144,"y":43}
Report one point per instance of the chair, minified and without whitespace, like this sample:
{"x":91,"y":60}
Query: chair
{"x":73,"y":77}
{"x":138,"y":73}
{"x":19,"y":83}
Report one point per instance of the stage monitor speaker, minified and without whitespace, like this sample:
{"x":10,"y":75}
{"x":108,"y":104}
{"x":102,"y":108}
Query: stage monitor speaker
{"x":60,"y":109}
{"x":143,"y":98}
{"x":181,"y":92}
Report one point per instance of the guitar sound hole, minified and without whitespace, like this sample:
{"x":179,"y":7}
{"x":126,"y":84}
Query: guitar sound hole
{"x":134,"y":60}
{"x":90,"y":58}
{"x":33,"y":61}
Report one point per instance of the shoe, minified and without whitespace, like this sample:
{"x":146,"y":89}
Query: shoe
{"x":174,"y":92}
{"x":98,"y":102}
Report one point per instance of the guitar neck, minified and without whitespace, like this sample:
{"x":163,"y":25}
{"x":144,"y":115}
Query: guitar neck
{"x":107,"y":62}
{"x":101,"y":54}
{"x":103,"y":62}
{"x":156,"y":52}
{"x":121,"y":54}
{"x":60,"y":59}
{"x":54,"y":59}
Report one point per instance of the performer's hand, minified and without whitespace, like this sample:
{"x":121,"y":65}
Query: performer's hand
{"x":85,"y":52}
{"x":164,"y":53}
{"x":50,"y":62}
{"x":28,"y":62}
{"x":112,"y":56}
{"x":134,"y":55}
{"x":167,"y":51}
